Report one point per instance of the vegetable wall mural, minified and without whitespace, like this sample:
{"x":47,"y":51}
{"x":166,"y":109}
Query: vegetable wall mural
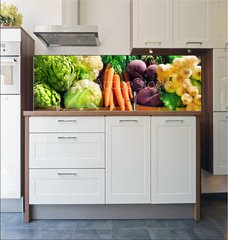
{"x":110,"y":82}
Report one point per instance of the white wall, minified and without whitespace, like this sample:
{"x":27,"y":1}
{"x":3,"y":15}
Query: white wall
{"x":38,"y":12}
{"x":113,"y":20}
{"x":111,"y":16}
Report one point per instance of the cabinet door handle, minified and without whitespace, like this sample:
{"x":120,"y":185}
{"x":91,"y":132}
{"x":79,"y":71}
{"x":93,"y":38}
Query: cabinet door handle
{"x":153,"y":42}
{"x":174,"y":120}
{"x":72,"y":138}
{"x":66,"y":174}
{"x":199,"y":43}
{"x":226,"y":44}
{"x":66,"y":121}
{"x":128,"y":121}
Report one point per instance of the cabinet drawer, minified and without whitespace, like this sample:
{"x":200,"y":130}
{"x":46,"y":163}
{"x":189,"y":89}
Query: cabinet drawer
{"x":66,"y":186}
{"x":66,"y":124}
{"x":66,"y":150}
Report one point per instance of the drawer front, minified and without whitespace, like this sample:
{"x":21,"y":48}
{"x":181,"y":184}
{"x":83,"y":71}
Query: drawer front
{"x":66,"y":124}
{"x":66,"y":150}
{"x":66,"y":186}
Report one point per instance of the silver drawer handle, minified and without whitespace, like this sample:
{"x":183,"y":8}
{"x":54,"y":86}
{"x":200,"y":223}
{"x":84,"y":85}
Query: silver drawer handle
{"x":199,"y":43}
{"x":153,"y":42}
{"x":67,"y":174}
{"x":74,"y":138}
{"x":67,"y":121}
{"x":175,"y":120}
{"x":128,"y":121}
{"x":9,"y":60}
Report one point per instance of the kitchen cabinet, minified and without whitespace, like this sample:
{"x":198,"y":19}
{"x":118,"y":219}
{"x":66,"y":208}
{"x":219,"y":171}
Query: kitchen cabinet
{"x":173,"y":160}
{"x":145,"y":158}
{"x":152,"y":23}
{"x":220,"y":143}
{"x":172,"y":24}
{"x":66,"y":160}
{"x":127,"y":160}
{"x":66,"y":186}
{"x":10,"y":146}
{"x":193,"y":24}
{"x":220,"y":76}
{"x":220,"y":24}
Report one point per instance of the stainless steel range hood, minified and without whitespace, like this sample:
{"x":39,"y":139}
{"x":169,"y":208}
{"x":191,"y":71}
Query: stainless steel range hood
{"x":71,"y":33}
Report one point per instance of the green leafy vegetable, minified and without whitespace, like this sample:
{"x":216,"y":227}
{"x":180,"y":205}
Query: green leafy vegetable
{"x":118,"y":62}
{"x":171,"y":100}
{"x":83,"y":94}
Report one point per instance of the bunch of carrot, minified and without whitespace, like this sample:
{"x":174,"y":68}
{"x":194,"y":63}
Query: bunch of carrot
{"x":116,"y":91}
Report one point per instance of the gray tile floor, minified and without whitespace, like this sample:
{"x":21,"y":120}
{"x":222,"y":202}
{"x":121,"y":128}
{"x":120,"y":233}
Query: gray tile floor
{"x":212,"y":226}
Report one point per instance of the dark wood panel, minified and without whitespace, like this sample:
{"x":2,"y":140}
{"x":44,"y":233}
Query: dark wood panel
{"x":27,"y":53}
{"x":26,"y":171}
{"x":207,"y":110}
{"x":168,"y":51}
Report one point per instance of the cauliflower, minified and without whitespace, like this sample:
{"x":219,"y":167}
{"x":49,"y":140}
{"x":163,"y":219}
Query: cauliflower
{"x":94,"y":63}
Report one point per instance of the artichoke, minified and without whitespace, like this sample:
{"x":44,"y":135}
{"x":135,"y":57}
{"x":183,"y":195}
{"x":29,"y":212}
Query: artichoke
{"x":41,"y":65}
{"x":61,"y":72}
{"x":45,"y":96}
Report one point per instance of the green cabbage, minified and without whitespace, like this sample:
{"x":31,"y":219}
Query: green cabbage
{"x":45,"y":96}
{"x":83,"y":94}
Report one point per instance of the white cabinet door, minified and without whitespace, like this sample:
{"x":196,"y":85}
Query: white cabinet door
{"x":66,"y":186}
{"x":193,"y":24}
{"x":152,"y":23}
{"x":220,"y":23}
{"x":220,"y":131}
{"x":10,"y":146}
{"x":173,"y":160}
{"x":66,"y":150}
{"x":220,"y":79}
{"x":127,"y":160}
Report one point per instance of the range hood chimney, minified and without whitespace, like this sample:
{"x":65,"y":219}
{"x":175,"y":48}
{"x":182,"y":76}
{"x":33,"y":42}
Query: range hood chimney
{"x":70,"y":33}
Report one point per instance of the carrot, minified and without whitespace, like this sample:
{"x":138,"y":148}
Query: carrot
{"x":129,"y":90}
{"x":117,"y":91}
{"x":112,"y":105}
{"x":108,"y":81}
{"x":126,"y":78}
{"x":125,"y":94}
